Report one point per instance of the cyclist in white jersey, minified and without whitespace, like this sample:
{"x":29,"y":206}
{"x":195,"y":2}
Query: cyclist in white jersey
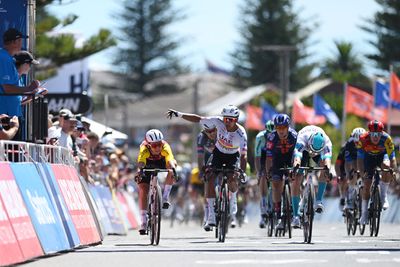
{"x":312,"y":142}
{"x":230,"y":149}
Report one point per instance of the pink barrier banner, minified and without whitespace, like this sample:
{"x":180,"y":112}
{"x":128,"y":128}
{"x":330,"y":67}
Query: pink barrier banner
{"x":17,"y":225}
{"x":77,"y":204}
{"x":127,"y":211}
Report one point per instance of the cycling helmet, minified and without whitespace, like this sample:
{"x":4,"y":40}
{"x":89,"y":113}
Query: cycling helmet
{"x":230,"y":111}
{"x":317,"y":142}
{"x":269,"y":126}
{"x":282,"y":120}
{"x":375,"y":126}
{"x":154,"y":136}
{"x":356,"y":133}
{"x":208,"y":126}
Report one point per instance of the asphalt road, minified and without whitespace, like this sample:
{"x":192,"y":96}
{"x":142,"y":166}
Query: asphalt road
{"x":189,"y":245}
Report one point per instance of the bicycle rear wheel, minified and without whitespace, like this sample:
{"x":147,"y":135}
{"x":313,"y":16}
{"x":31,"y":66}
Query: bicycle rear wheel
{"x":287,"y":214}
{"x":349,"y":221}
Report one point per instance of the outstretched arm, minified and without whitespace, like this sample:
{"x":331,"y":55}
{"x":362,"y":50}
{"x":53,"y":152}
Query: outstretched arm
{"x":186,"y":116}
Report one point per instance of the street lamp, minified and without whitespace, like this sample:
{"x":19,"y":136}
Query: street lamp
{"x":283,"y":52}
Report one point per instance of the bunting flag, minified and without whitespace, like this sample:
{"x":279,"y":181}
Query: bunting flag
{"x":211,"y":67}
{"x":323,"y":108}
{"x":382,"y":95}
{"x":268,"y":112}
{"x":305,"y":115}
{"x":361,"y":104}
{"x":394,"y":87}
{"x":253,"y":118}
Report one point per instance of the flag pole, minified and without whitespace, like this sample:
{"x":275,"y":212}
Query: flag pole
{"x":344,"y":114}
{"x":389,"y":124}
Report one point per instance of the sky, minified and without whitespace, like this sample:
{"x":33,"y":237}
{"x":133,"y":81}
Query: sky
{"x":211,"y":27}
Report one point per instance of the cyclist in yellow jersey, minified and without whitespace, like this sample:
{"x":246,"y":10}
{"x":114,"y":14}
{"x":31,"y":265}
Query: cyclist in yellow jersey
{"x":154,"y":153}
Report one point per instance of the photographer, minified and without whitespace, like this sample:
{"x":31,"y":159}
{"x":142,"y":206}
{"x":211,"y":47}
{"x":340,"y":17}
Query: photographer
{"x":8,"y":127}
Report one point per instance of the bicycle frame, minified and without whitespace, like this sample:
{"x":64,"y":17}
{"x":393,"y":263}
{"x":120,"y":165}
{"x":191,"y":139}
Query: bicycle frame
{"x":154,"y":206}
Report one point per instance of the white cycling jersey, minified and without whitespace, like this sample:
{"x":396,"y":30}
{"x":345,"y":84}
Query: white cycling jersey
{"x":303,"y":142}
{"x":228,"y":142}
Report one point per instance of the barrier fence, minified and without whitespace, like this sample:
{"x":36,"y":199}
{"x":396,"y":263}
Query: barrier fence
{"x":47,"y":207}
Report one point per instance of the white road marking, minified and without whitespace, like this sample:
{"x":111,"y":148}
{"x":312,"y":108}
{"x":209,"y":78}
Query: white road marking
{"x":266,"y":262}
{"x":367,"y":260}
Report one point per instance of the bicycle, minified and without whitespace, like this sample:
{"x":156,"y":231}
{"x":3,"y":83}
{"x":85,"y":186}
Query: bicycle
{"x":308,"y":200}
{"x":352,"y":216}
{"x":375,"y":206}
{"x":286,"y":217}
{"x":221,"y":206}
{"x":154,"y":206}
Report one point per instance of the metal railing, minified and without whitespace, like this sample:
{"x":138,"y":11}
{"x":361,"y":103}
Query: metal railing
{"x":12,"y":151}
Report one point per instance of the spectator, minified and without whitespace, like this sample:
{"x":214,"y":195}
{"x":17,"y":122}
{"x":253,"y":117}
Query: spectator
{"x":9,"y":80}
{"x":67,"y":123}
{"x":8,"y":127}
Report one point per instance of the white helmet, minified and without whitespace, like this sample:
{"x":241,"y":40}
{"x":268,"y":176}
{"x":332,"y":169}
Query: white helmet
{"x":357,"y":132}
{"x":208,"y":126}
{"x":154,"y":136}
{"x":230,"y":111}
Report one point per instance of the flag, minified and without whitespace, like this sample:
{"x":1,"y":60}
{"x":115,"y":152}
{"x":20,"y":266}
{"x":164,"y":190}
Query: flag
{"x":253,"y":118}
{"x":211,"y":67}
{"x":394,"y":88}
{"x":323,"y":108}
{"x":361,"y":104}
{"x":304,"y":114}
{"x":268,"y":112}
{"x":381,"y":94}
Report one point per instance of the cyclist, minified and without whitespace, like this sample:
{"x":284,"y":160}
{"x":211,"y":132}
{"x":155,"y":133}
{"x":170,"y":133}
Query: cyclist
{"x":205,"y":148}
{"x":312,"y":142}
{"x":259,"y":162}
{"x":154,"y":153}
{"x":347,"y":160}
{"x":230,"y":149}
{"x":280,"y":147}
{"x":376,"y":149}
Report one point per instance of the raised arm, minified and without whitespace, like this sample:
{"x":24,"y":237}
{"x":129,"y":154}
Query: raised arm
{"x":171,"y":113}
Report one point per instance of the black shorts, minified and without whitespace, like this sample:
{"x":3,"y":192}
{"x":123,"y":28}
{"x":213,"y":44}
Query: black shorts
{"x":305,"y":160}
{"x":371,"y":162}
{"x":231,"y":161}
{"x":152,"y":164}
{"x":280,"y":162}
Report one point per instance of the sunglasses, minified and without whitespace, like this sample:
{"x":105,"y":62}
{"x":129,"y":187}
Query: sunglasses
{"x":156,"y":145}
{"x":375,"y":134}
{"x":281,"y":127}
{"x":227,"y":119}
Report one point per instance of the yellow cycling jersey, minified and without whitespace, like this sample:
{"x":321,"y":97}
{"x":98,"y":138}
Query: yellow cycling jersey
{"x":145,"y":154}
{"x":195,"y":176}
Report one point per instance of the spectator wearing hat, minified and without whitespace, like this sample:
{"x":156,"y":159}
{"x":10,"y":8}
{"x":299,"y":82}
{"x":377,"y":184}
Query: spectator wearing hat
{"x":9,"y":80}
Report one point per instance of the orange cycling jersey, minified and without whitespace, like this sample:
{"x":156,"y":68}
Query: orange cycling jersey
{"x":145,"y":154}
{"x":384,"y":146}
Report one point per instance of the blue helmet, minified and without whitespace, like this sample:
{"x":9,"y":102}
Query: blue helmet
{"x":282,"y":120}
{"x":317,"y":142}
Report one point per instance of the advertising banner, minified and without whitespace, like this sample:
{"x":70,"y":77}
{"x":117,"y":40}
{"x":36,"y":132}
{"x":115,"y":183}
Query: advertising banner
{"x":105,"y":221}
{"x":45,"y":219}
{"x":113,"y":215}
{"x":133,"y":206}
{"x":9,"y":248}
{"x":127,"y":211}
{"x":56,"y":196}
{"x":17,"y":213}
{"x":13,"y":14}
{"x":77,"y":205}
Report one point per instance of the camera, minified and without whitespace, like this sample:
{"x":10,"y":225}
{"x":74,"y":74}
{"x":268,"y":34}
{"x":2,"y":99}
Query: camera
{"x":5,"y":121}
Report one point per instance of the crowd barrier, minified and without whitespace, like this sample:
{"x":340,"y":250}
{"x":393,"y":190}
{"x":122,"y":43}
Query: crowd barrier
{"x":46,"y":206}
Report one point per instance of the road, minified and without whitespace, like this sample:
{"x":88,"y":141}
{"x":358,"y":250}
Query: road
{"x":189,"y":245}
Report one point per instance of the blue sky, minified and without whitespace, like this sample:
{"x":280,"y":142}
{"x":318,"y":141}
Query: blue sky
{"x":211,"y":27}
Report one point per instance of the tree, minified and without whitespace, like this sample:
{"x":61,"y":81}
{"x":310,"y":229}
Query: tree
{"x":58,"y":49}
{"x":150,"y":50}
{"x":385,"y":26}
{"x":345,"y":66}
{"x":270,"y":23}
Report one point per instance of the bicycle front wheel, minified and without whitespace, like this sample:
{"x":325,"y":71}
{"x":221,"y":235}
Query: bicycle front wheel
{"x":359,"y":208}
{"x":224,"y":210}
{"x":155,"y":221}
{"x":375,"y":212}
{"x":308,"y":214}
{"x":287,"y":218}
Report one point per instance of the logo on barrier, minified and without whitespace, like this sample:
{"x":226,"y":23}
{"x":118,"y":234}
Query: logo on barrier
{"x":41,"y":207}
{"x":13,"y":202}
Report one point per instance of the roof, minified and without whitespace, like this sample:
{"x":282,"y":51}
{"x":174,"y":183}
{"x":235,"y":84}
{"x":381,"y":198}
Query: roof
{"x":100,"y":129}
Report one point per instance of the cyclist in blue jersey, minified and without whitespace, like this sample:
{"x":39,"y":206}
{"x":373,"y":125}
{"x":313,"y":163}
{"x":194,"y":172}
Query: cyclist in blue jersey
{"x":280,"y":148}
